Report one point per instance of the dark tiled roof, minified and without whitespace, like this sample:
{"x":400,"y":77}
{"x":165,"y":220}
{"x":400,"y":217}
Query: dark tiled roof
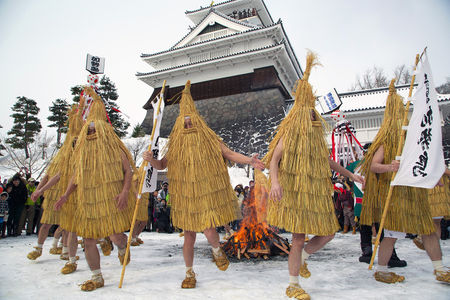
{"x":215,"y":58}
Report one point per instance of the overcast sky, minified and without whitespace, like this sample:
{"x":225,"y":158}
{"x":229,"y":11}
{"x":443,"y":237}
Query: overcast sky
{"x":43,"y":44}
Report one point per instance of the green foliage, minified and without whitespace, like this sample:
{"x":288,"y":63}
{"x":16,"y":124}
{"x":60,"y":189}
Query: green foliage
{"x":107,"y":90}
{"x":26,"y":124}
{"x":76,"y":91}
{"x":138,"y":131}
{"x":59,"y":117}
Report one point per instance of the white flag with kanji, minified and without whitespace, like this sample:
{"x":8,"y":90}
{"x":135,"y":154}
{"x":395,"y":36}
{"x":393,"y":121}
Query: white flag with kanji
{"x":422,"y":161}
{"x":151,"y":174}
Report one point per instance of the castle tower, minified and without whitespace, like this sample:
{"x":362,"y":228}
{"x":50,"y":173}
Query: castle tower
{"x":242,"y":68}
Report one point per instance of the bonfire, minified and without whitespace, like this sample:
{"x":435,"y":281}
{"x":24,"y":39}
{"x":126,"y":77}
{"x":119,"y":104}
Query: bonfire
{"x":255,"y":238}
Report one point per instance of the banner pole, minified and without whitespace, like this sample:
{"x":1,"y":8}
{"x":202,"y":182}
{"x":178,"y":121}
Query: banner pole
{"x":139,"y":196}
{"x":399,"y":152}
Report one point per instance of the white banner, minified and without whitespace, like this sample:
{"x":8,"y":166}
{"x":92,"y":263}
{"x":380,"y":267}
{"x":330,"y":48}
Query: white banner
{"x":422,"y":161}
{"x":151,"y":175}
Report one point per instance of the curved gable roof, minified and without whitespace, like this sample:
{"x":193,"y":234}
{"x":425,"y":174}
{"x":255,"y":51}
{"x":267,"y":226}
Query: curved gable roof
{"x":216,"y":17}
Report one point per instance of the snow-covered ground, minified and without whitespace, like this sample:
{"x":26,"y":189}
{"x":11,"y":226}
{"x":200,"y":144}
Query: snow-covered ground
{"x":157,"y":269}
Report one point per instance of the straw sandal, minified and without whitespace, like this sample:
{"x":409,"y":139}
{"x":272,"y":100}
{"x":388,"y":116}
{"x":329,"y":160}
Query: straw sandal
{"x":295,"y":291}
{"x":189,"y":282}
{"x":221,"y":260}
{"x":35,"y":253}
{"x":304,"y":272}
{"x":69,"y":268}
{"x":388,"y":277}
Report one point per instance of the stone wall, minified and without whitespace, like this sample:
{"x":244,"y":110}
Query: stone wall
{"x":244,"y":121}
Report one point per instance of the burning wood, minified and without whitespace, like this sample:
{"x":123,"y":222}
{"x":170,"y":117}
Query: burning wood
{"x":255,"y":237}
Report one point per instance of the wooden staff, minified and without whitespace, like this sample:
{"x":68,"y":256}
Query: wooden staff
{"x":141,"y":181}
{"x":399,"y":152}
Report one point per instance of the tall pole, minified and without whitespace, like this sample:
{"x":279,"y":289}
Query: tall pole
{"x":141,"y":181}
{"x":399,"y":152}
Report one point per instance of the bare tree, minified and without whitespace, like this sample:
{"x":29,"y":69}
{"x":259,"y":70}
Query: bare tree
{"x":137,"y":146}
{"x":444,"y":88}
{"x":372,"y":78}
{"x":402,"y":74}
{"x":376,"y":78}
{"x":380,"y":80}
{"x":40,"y":155}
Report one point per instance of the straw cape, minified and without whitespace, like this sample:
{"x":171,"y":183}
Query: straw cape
{"x":60,"y":164}
{"x":409,"y":210}
{"x":439,"y":199}
{"x":99,"y":178}
{"x":304,"y":173}
{"x":142,"y":214}
{"x":68,"y":210}
{"x":201,"y":193}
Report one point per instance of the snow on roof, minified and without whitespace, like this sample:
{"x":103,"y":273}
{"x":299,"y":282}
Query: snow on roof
{"x":263,"y":12}
{"x":213,"y":11}
{"x":211,"y":40}
{"x":207,"y":7}
{"x":375,"y":98}
{"x":213,"y":58}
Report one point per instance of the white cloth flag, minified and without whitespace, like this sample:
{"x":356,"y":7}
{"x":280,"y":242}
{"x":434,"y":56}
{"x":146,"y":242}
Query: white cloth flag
{"x":422,"y":161}
{"x":151,"y":175}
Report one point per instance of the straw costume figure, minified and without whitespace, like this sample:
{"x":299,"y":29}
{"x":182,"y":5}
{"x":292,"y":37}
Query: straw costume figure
{"x":301,"y":189}
{"x":366,"y":230}
{"x":201,"y":194}
{"x":53,"y":185}
{"x":142,"y":215}
{"x":439,"y":200}
{"x":409,"y":210}
{"x":105,"y":200}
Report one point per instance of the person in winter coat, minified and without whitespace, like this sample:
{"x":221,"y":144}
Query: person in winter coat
{"x":3,"y":213}
{"x":17,"y":198}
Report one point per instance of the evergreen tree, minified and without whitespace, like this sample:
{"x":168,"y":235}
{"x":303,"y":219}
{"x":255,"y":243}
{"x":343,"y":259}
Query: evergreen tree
{"x":59,"y":118}
{"x":138,"y":131}
{"x":76,"y":92}
{"x":107,"y":90}
{"x":26,"y":124}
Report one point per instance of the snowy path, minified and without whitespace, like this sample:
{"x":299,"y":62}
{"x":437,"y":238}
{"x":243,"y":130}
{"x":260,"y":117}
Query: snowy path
{"x":156,"y":271}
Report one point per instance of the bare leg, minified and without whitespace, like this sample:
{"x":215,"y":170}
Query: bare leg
{"x":120,"y":239}
{"x":295,"y":254}
{"x":138,"y":227}
{"x":317,"y":243}
{"x":72,"y":244}
{"x":92,"y":255}
{"x":212,"y":236}
{"x":43,"y":233}
{"x":431,"y":244}
{"x":188,"y":248}
{"x":65,"y":238}
{"x":437,"y":225}
{"x":385,"y":251}
{"x":58,"y":232}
